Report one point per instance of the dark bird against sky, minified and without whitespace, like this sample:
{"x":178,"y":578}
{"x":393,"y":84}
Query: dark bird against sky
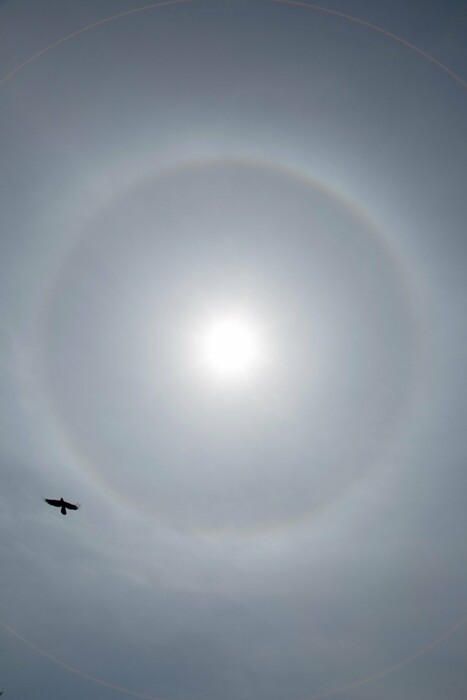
{"x":63,"y":505}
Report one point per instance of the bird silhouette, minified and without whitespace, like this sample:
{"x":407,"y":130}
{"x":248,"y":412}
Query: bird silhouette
{"x":63,"y":505}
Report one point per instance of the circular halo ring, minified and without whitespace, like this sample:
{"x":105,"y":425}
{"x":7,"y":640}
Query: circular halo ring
{"x":409,"y":295}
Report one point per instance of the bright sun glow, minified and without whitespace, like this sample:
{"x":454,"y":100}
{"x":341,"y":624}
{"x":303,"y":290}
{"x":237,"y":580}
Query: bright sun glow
{"x":230,"y":347}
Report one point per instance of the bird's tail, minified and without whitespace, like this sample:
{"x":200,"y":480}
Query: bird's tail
{"x":63,"y":510}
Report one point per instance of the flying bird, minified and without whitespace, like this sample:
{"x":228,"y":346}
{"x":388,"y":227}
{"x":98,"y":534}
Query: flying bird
{"x":63,"y":505}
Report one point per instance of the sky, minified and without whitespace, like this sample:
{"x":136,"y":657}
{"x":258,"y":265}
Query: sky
{"x":233,"y":328}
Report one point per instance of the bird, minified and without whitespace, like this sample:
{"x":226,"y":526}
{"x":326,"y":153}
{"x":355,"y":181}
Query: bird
{"x":63,"y":505}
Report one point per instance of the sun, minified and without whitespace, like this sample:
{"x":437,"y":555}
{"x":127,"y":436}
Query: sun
{"x":230,"y":347}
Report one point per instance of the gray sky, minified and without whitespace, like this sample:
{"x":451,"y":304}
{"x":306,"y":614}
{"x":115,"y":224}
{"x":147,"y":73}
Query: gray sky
{"x":293,"y":532}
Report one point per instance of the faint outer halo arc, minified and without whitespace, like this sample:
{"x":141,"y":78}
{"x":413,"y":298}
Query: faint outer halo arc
{"x":291,"y":3}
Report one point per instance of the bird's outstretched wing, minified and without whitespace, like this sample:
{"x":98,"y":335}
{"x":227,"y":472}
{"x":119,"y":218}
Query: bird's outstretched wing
{"x":71,"y":506}
{"x":53,"y":502}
